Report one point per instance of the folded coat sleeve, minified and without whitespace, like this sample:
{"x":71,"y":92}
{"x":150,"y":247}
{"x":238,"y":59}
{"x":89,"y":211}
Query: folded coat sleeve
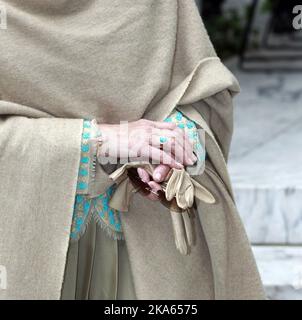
{"x":211,"y":86}
{"x":217,"y":111}
{"x":25,"y":131}
{"x":200,"y":85}
{"x":39,"y":162}
{"x":39,"y":159}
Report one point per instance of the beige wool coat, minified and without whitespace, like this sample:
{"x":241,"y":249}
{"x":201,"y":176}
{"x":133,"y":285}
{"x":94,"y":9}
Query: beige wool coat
{"x":65,"y":60}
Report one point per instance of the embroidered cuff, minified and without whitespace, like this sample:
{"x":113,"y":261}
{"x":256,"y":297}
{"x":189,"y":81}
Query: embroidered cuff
{"x":87,"y":168}
{"x":84,"y":168}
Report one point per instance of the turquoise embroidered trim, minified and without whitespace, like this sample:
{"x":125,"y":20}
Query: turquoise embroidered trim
{"x":83,"y":175}
{"x":98,"y":208}
{"x":190,"y":127}
{"x":109,"y":219}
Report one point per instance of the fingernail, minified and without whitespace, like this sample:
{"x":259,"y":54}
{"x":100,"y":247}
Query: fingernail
{"x":157,"y":176}
{"x":179,"y":165}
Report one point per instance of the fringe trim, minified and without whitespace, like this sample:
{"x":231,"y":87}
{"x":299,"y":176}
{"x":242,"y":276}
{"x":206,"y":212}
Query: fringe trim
{"x":83,"y":228}
{"x":113,"y":234}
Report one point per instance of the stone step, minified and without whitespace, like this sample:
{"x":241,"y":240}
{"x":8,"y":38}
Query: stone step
{"x":272,"y":65}
{"x":285,"y":42}
{"x":266,"y":157}
{"x":273,"y":54}
{"x":281,"y":271}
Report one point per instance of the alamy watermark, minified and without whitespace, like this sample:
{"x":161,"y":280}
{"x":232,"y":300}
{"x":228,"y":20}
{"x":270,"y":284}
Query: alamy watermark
{"x":297,"y":21}
{"x":3,"y":17}
{"x":3,"y":278}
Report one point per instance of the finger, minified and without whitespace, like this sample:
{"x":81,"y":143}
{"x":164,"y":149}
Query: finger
{"x":181,"y":153}
{"x":160,"y":172}
{"x":143,"y":174}
{"x":177,"y":144}
{"x":157,"y":156}
{"x":178,"y":134}
{"x":185,"y":150}
{"x":187,"y":144}
{"x":155,"y":187}
{"x":164,"y":125}
{"x":169,"y":147}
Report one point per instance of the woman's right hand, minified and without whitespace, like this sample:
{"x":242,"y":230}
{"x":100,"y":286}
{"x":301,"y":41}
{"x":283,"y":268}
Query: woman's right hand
{"x":143,"y":139}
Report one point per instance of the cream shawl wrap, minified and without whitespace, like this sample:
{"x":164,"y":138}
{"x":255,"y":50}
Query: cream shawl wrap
{"x":65,"y":60}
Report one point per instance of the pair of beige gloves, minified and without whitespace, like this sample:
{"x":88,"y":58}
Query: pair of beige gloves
{"x":179,"y":185}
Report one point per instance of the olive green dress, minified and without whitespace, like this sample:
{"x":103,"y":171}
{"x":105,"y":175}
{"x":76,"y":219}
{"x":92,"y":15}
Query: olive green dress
{"x":97,"y":268}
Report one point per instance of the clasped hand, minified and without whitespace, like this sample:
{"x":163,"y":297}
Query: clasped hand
{"x":161,"y":143}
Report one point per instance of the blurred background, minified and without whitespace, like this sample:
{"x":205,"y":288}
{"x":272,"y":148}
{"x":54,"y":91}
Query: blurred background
{"x":261,"y":43}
